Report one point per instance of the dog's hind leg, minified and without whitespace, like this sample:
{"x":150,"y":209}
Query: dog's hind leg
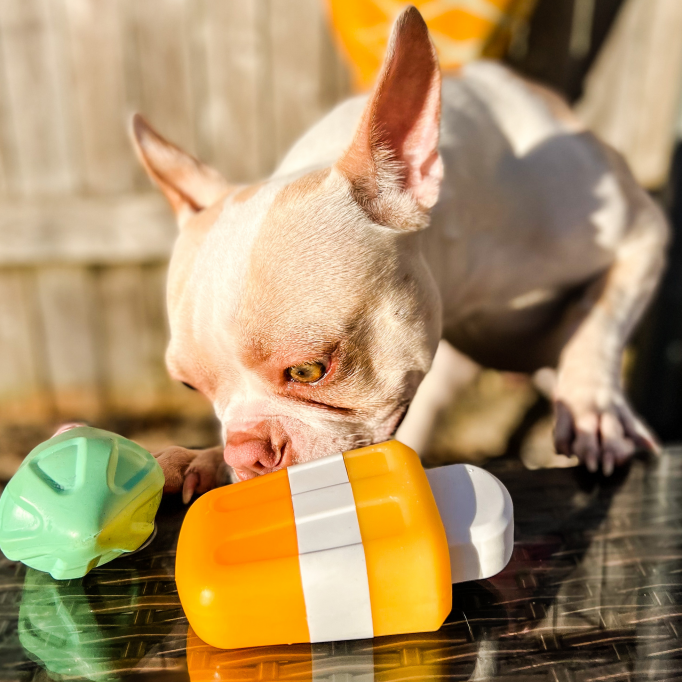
{"x":450,"y":372}
{"x":593,"y":418}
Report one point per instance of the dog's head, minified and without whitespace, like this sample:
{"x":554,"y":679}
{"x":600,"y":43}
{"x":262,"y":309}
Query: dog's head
{"x":302,"y":307}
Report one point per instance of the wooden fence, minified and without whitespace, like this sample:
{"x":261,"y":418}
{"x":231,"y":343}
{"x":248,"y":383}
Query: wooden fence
{"x":84,"y":240}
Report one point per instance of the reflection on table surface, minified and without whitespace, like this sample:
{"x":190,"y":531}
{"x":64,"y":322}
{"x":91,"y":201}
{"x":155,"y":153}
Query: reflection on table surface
{"x":593,"y":592}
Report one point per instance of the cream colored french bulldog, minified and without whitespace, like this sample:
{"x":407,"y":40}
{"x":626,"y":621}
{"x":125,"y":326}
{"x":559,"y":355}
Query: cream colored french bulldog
{"x":475,"y":210}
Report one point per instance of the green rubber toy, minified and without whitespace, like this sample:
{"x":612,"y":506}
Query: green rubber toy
{"x":78,"y":501}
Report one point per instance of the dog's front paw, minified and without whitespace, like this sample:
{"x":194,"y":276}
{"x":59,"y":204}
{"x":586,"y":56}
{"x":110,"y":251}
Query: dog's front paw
{"x":192,"y":471}
{"x":599,"y":426}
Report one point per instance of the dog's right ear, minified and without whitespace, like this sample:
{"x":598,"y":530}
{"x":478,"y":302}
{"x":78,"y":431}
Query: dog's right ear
{"x":393,"y":164}
{"x":188,"y":184}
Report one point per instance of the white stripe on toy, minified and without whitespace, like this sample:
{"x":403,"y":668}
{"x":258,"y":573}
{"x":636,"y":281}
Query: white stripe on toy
{"x":331,"y":555}
{"x":326,"y":518}
{"x":320,"y":473}
{"x":337,"y":594}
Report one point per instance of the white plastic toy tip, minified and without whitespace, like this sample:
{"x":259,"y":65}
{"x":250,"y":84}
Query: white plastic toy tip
{"x":478,"y":516}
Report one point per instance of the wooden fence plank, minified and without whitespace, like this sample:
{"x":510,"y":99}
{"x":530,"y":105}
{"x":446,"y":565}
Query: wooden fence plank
{"x":132,"y":228}
{"x":238,"y":124}
{"x":344,"y":83}
{"x":161,"y":29}
{"x":24,"y":397}
{"x":9,"y":179}
{"x":97,"y":69}
{"x":68,"y":312}
{"x":335,"y":82}
{"x":130,"y":370}
{"x":34,"y":76}
{"x":3,"y":168}
{"x":173,"y":397}
{"x":296,"y":29}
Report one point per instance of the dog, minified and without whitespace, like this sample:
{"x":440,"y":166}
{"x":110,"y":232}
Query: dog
{"x":471,"y":218}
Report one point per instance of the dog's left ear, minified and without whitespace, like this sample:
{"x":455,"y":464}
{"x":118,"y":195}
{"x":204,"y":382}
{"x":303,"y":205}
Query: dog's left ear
{"x":188,"y":184}
{"x":394,"y":154}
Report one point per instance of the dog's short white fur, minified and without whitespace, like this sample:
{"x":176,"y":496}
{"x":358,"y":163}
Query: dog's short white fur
{"x":475,"y":211}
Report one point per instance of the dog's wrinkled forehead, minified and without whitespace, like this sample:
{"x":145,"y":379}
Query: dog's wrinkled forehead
{"x":221,"y":265}
{"x":281,"y":262}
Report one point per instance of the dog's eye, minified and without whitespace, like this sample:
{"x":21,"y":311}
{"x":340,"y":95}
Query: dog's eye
{"x":306,"y":373}
{"x":184,"y":383}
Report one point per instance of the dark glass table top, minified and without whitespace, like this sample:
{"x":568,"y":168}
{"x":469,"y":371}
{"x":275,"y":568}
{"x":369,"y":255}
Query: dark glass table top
{"x":593,"y":592}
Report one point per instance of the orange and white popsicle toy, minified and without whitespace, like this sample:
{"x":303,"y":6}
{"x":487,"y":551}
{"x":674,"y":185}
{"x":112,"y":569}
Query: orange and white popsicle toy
{"x":350,"y":546}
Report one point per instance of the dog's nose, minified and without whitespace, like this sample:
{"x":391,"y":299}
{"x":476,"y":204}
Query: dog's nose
{"x":254,"y":452}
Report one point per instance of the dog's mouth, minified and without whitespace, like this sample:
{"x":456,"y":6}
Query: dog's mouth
{"x":286,"y":455}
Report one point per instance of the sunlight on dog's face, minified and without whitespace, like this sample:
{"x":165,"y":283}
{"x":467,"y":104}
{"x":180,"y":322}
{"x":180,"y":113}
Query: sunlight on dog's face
{"x":307,"y":325}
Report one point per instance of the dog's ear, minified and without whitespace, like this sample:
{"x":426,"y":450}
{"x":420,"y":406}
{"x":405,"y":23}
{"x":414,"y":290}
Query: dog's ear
{"x":188,"y":184}
{"x":395,"y":150}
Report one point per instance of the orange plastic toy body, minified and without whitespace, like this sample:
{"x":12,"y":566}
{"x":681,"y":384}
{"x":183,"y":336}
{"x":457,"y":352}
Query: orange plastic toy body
{"x":253,"y":559}
{"x":408,"y":562}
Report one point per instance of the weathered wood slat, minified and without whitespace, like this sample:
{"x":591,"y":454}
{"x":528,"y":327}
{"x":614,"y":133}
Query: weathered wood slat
{"x":9,"y":177}
{"x":172,"y":397}
{"x":296,"y":30}
{"x":162,"y":66}
{"x":3,"y":171}
{"x":334,"y":74}
{"x":238,"y":110}
{"x":23,"y":393}
{"x":35,"y":76}
{"x":134,"y":228}
{"x":131,"y":367}
{"x":69,"y":319}
{"x":97,"y":76}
